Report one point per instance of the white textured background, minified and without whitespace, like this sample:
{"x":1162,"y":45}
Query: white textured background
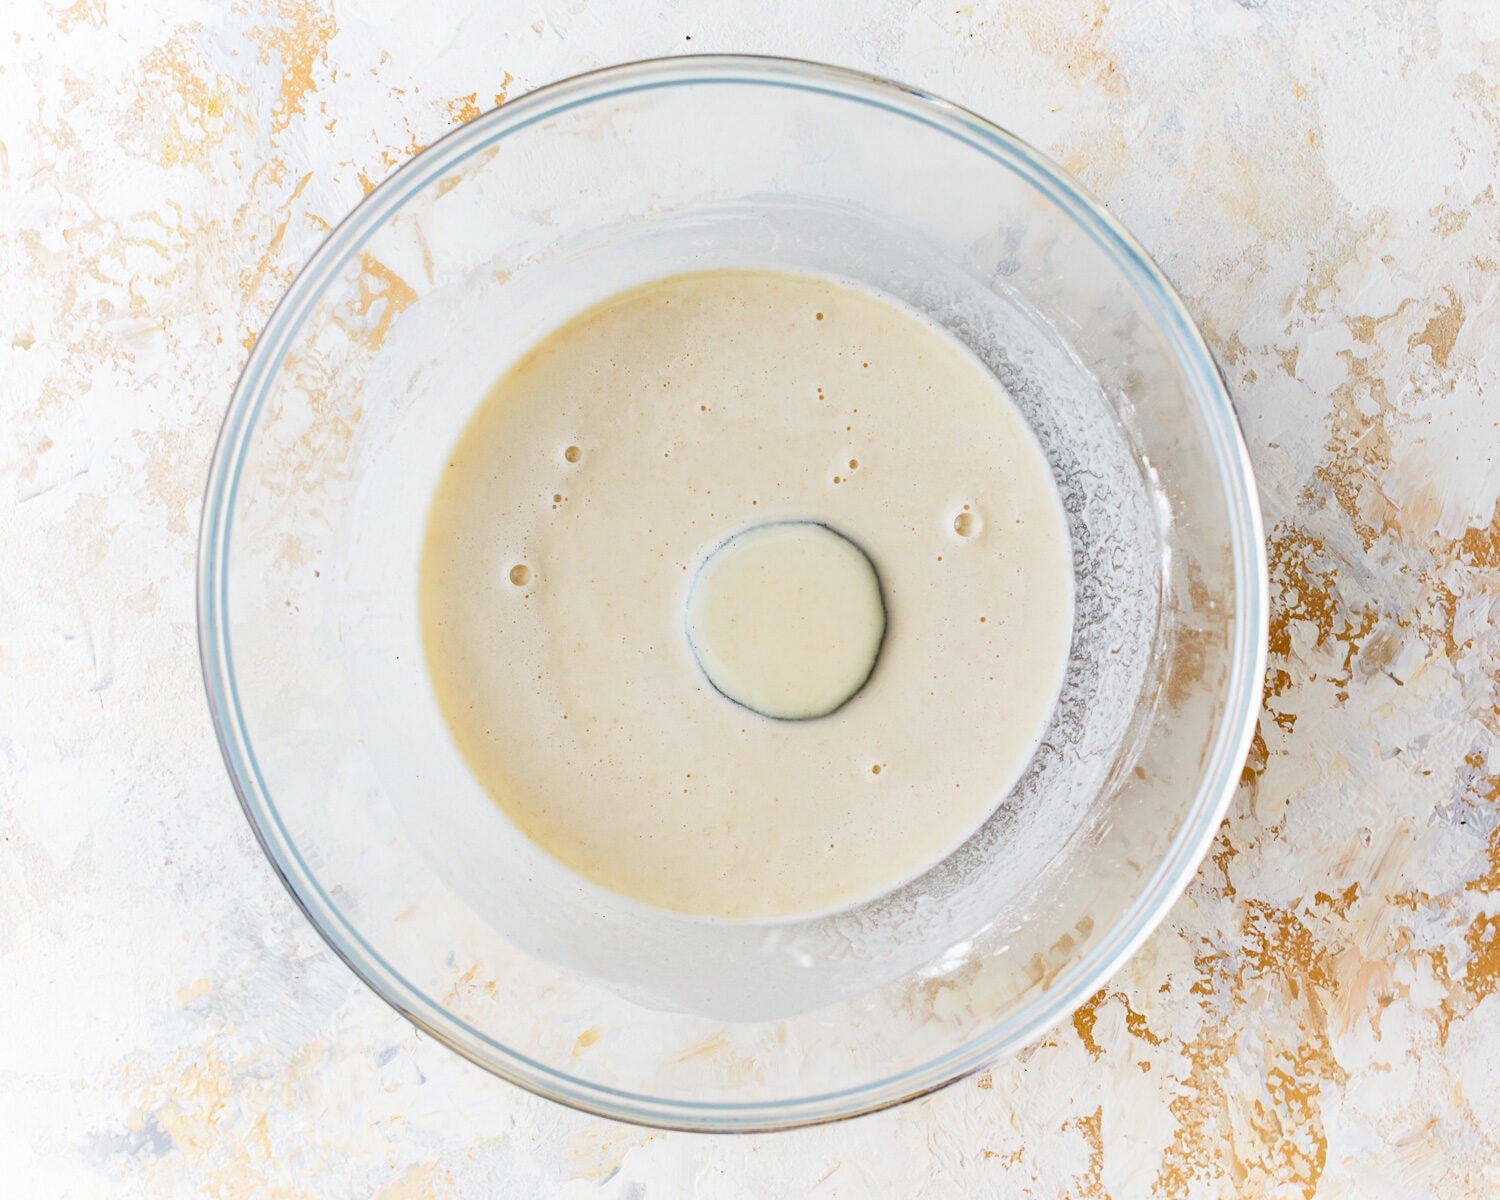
{"x":1318,"y":1017}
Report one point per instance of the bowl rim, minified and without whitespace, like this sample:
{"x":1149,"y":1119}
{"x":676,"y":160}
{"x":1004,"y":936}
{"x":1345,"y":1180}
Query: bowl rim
{"x":1241,"y":701}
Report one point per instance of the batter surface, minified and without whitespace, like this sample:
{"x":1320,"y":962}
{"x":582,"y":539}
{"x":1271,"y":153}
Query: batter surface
{"x":585,"y":494}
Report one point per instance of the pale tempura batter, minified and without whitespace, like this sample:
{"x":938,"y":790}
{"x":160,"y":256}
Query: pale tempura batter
{"x":618,"y":455}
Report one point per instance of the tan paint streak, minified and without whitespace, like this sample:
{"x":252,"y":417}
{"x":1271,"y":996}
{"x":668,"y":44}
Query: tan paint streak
{"x":382,"y":296}
{"x":1304,"y":588}
{"x":1087,"y":1016}
{"x":1442,"y":330}
{"x":1438,"y":958}
{"x":1073,"y":40}
{"x":83,"y":12}
{"x":1296,"y":1144}
{"x":1292,"y":204}
{"x":710,"y":1046}
{"x":1238,"y":1139}
{"x":1364,"y":328}
{"x":216,"y":1114}
{"x":183,"y":105}
{"x":585,"y":1039}
{"x":1481,"y":547}
{"x":1490,"y":880}
{"x":1448,"y":221}
{"x":1437,"y":623}
{"x":168,"y":478}
{"x":1083,"y":1023}
{"x":394,"y":158}
{"x":299,"y":37}
{"x":464,"y":109}
{"x":1479,"y":786}
{"x":1359,"y":443}
{"x":1228,"y":348}
{"x":1190,"y":1157}
{"x":1224,"y":849}
{"x":1277,"y":943}
{"x":1089,"y":1184}
{"x":599,"y":1149}
{"x":1366,"y":989}
{"x":1338,"y":902}
{"x":1482,"y":975}
{"x":194,"y":991}
{"x":266,"y":265}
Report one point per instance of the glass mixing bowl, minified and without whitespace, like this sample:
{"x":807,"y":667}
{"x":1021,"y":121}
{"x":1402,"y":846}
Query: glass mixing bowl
{"x":315,"y":508}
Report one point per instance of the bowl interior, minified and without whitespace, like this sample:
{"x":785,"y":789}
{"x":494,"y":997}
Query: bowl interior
{"x":318,"y":500}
